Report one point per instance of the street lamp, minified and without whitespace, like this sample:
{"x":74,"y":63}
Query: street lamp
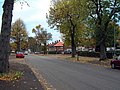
{"x":114,"y":56}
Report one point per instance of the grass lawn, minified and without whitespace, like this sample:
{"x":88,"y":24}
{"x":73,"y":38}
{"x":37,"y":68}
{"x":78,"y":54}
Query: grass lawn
{"x":81,"y":59}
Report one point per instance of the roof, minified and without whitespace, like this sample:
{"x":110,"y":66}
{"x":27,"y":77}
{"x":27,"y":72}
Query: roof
{"x":51,"y":44}
{"x":59,"y":44}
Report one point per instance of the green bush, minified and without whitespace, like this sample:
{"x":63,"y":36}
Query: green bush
{"x":94,"y":54}
{"x":51,"y":52}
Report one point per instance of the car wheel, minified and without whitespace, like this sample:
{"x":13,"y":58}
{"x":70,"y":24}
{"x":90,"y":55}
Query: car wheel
{"x":113,"y":66}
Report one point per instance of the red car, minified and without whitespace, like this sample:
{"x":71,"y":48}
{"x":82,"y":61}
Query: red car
{"x":19,"y":55}
{"x":115,"y":63}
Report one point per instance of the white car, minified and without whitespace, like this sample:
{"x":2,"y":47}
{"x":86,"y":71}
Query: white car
{"x":26,"y":52}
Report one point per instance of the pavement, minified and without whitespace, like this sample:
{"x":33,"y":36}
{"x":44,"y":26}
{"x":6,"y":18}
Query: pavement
{"x":27,"y":82}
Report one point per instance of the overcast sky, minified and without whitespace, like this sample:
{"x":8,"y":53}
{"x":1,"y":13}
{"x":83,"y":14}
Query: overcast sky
{"x":33,"y":15}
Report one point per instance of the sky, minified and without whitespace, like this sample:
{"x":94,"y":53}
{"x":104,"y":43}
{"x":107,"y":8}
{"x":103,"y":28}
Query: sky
{"x":32,"y":16}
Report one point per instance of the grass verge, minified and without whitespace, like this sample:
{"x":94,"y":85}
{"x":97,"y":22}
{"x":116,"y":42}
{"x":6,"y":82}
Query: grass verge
{"x":88,"y":60}
{"x":12,"y":75}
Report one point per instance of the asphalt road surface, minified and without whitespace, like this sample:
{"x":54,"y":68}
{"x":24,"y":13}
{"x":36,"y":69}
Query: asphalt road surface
{"x":65,"y":75}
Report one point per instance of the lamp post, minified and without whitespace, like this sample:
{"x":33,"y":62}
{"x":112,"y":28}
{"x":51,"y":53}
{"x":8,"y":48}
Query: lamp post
{"x":114,"y":56}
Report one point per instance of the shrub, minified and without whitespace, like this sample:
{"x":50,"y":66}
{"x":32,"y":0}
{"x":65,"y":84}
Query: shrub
{"x":94,"y":54}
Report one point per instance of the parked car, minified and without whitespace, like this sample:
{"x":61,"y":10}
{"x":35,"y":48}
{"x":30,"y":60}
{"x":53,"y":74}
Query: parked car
{"x":37,"y":52}
{"x":20,"y":55}
{"x":67,"y":52}
{"x":26,"y":52}
{"x":115,"y":63}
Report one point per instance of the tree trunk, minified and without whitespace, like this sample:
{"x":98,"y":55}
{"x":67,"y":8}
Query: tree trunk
{"x":73,"y":42}
{"x":18,"y":44}
{"x":103,"y":55}
{"x":45,"y":48}
{"x":102,"y":39}
{"x":5,"y":35}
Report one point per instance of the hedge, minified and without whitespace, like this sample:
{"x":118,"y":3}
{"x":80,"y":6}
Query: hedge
{"x":54,"y":52}
{"x":94,"y":54}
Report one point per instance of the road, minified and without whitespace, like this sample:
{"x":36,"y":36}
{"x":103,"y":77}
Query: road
{"x":66,"y":75}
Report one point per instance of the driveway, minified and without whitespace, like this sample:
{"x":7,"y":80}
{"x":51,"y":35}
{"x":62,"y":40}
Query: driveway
{"x":65,"y":75}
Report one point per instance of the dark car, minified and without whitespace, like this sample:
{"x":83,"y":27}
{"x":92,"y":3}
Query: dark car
{"x":20,"y":55}
{"x":115,"y":63}
{"x":67,"y":52}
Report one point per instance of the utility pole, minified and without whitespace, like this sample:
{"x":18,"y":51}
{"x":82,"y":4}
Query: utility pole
{"x":114,"y":56}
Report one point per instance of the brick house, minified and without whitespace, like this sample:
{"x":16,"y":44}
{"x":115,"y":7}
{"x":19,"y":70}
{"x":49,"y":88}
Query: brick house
{"x":57,"y":46}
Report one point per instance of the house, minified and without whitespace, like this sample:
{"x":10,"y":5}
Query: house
{"x":56,"y":46}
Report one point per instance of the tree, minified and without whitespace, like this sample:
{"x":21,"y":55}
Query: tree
{"x":102,"y":12}
{"x":67,"y":15}
{"x":37,"y":30}
{"x":19,"y":34}
{"x":42,"y":36}
{"x":5,"y":35}
{"x":13,"y":46}
{"x":32,"y":44}
{"x":112,"y":34}
{"x":84,"y":36}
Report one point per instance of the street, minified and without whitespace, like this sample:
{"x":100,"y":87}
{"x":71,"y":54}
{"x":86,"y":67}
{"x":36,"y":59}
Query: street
{"x":66,"y":75}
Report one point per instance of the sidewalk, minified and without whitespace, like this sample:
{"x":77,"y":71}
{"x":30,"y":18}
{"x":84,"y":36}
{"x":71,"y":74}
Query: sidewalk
{"x":27,"y":82}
